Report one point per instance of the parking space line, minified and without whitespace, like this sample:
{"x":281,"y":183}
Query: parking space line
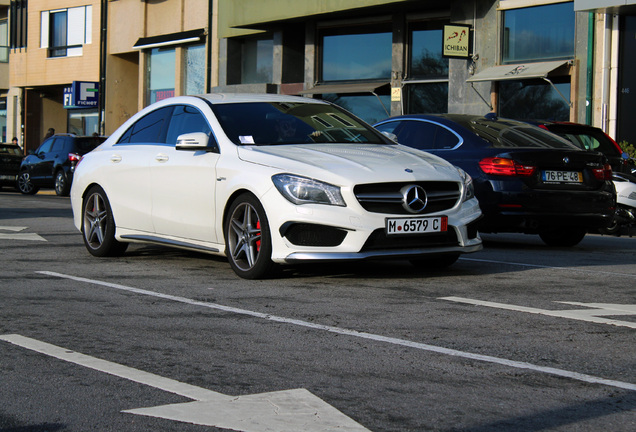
{"x":550,"y":267}
{"x":363,"y":335}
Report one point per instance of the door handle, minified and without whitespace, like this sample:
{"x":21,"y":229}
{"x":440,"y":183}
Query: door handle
{"x":115,"y":158}
{"x":161,"y":157}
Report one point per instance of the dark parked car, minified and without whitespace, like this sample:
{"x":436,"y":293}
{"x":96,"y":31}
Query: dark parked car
{"x":590,"y":138}
{"x":10,"y":159}
{"x":526,"y":179}
{"x":53,"y":163}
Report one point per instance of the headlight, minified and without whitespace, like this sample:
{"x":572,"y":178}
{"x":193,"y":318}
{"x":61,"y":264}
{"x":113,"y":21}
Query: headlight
{"x":469,"y":189}
{"x":303,"y":190}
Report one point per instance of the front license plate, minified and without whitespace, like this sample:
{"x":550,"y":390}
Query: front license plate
{"x":416,"y":225}
{"x":563,"y":176}
{"x":7,"y":177}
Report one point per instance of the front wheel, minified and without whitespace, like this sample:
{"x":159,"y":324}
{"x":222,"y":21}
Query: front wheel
{"x":24,"y":184}
{"x":98,"y":225}
{"x":248,"y":240}
{"x":562,"y":236}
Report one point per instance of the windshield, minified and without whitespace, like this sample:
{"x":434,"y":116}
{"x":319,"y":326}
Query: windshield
{"x":266,"y":123}
{"x":12,"y":150}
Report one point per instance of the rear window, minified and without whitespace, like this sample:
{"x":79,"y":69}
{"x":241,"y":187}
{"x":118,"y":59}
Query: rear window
{"x":509,"y":134}
{"x":593,"y":141}
{"x":86,"y":144}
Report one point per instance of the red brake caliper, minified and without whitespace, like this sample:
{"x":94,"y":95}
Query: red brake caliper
{"x":258,"y":242}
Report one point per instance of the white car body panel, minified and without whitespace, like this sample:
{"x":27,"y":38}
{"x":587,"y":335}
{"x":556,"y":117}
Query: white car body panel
{"x":179,"y":197}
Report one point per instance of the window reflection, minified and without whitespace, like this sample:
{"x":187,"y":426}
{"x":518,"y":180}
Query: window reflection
{"x":195,"y":69}
{"x":529,"y":99}
{"x":538,"y":33}
{"x":426,"y":54}
{"x":257,"y":59}
{"x":161,"y":66}
{"x":427,"y":98}
{"x":356,"y":56}
{"x":367,"y":107}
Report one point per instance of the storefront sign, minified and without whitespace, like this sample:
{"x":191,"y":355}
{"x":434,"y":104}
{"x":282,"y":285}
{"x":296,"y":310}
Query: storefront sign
{"x":81,"y":94}
{"x":456,"y":41}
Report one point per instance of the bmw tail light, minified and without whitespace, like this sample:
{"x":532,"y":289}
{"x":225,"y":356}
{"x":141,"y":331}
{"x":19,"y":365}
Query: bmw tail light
{"x":505,"y":167}
{"x":604,"y":173}
{"x":74,"y":157}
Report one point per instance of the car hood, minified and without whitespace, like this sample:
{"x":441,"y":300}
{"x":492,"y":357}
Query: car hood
{"x":352,"y":162}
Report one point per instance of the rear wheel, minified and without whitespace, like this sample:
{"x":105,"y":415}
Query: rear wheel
{"x":98,"y":225}
{"x":248,"y":239}
{"x":24,"y":184}
{"x":62,"y":185}
{"x":562,"y":236}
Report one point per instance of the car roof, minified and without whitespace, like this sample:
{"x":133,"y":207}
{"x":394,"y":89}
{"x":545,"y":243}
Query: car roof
{"x":214,"y":98}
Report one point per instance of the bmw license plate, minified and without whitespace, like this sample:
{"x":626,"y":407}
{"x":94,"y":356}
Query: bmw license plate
{"x":562,"y":177}
{"x":416,"y":225}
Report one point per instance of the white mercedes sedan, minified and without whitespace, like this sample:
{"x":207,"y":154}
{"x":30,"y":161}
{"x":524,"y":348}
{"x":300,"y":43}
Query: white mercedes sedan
{"x":268,"y":180}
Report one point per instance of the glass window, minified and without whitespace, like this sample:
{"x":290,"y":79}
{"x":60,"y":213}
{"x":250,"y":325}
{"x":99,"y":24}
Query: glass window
{"x":426,"y":98}
{"x":538,"y":33}
{"x":149,"y":129}
{"x":57,"y":34}
{"x":83,"y":121}
{"x":529,"y":99}
{"x":3,"y":120}
{"x":425,"y":57}
{"x":266,"y":123}
{"x":422,"y":135}
{"x":427,"y":91}
{"x":186,"y":119}
{"x":356,"y":56}
{"x":257,"y":60}
{"x":195,"y":69}
{"x":4,"y":40}
{"x":45,"y":147}
{"x":161,"y":69}
{"x":367,"y":107}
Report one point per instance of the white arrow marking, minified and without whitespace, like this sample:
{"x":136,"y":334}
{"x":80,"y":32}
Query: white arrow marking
{"x":21,"y":236}
{"x":283,"y":411}
{"x":591,"y":315}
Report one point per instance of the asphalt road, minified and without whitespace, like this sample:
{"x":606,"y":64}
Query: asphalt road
{"x":517,"y":337}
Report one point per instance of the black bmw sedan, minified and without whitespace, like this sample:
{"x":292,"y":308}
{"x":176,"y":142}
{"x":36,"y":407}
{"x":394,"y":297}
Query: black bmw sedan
{"x":526,"y":179}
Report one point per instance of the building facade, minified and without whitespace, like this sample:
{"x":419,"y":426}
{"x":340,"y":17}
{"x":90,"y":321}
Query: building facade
{"x":526,"y":59}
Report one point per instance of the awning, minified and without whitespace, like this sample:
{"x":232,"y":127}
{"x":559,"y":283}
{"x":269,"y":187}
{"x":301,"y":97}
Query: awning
{"x":518,"y":71}
{"x":169,"y":39}
{"x":373,"y":88}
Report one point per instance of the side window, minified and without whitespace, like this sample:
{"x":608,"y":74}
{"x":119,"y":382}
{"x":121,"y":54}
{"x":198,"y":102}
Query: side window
{"x":186,"y":119}
{"x":150,"y":129}
{"x":58,"y":145}
{"x":418,"y":134}
{"x":388,"y":127}
{"x":45,"y":147}
{"x":445,"y":139}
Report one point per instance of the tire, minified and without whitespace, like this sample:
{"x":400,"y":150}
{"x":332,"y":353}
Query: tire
{"x":562,"y":236}
{"x":98,"y":225}
{"x":24,"y":184}
{"x":248,"y":239}
{"x":62,"y":185}
{"x":435,"y":262}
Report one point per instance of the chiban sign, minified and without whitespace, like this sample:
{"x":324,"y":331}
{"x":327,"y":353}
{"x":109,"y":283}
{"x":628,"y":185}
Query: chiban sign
{"x":456,"y":41}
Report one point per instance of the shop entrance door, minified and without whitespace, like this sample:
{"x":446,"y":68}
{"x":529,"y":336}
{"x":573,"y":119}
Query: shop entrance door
{"x":626,"y":127}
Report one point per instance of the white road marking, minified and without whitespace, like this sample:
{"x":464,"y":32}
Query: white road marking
{"x":363,"y":335}
{"x":284,"y":411}
{"x":550,"y":267}
{"x":590,"y":315}
{"x":18,"y":235}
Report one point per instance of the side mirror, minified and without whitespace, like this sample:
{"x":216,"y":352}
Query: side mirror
{"x":193,"y":141}
{"x":391,"y":136}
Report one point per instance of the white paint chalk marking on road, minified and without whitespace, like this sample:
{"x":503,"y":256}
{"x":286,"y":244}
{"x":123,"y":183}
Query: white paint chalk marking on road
{"x":539,"y":266}
{"x":354,"y":333}
{"x":284,"y":411}
{"x":17,"y":235}
{"x":593,"y":314}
